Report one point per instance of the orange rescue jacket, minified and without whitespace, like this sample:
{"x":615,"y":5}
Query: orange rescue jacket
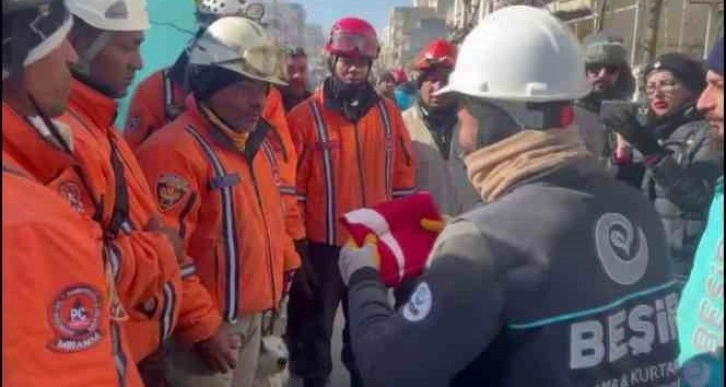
{"x":345,"y":166}
{"x":158,"y":100}
{"x":57,"y":327}
{"x":140,"y":274}
{"x":91,"y":115}
{"x":228,"y":208}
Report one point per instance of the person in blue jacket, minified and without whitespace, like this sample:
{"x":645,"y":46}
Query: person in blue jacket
{"x":700,"y":312}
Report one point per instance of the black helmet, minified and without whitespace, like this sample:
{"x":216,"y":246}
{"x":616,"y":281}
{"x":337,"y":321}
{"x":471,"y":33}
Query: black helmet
{"x":31,"y":29}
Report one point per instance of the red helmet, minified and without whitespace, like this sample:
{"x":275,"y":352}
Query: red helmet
{"x":399,"y":76}
{"x":353,"y":37}
{"x":440,"y":52}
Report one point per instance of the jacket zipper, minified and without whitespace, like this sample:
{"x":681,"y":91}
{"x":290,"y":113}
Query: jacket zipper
{"x":360,"y":165}
{"x":267,"y":232}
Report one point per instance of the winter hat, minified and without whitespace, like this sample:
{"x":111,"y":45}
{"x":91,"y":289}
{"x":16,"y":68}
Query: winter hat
{"x":687,"y":70}
{"x":31,"y":32}
{"x":403,"y":245}
{"x":606,"y":48}
{"x":715,"y":58}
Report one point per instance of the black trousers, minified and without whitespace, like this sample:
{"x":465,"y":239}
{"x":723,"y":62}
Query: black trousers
{"x":310,"y":322}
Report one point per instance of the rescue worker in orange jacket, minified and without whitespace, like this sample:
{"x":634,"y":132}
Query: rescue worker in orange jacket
{"x":159,"y":99}
{"x":60,"y":323}
{"x":354,"y":152}
{"x":214,"y":173}
{"x":109,"y":49}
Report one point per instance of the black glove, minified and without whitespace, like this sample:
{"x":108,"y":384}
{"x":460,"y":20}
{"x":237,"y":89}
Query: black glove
{"x":305,"y":278}
{"x":621,"y":118}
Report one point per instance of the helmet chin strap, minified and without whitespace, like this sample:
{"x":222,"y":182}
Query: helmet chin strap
{"x":83,"y":66}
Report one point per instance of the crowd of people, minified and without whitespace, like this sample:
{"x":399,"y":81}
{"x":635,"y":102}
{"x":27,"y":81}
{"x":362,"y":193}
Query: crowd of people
{"x":203,"y":244}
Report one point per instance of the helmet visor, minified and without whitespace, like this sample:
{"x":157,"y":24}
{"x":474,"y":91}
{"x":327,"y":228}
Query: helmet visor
{"x":262,"y":62}
{"x":351,"y":44}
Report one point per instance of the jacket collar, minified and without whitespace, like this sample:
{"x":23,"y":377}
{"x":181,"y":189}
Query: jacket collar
{"x":99,"y":108}
{"x":208,"y":129}
{"x":40,"y":157}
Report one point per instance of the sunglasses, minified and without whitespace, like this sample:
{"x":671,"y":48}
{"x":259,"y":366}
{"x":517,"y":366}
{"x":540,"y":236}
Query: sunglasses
{"x":664,"y":87}
{"x":596,"y":68}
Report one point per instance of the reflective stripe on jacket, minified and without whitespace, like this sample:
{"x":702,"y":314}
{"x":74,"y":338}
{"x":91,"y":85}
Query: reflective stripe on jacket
{"x":344,"y":166}
{"x":158,"y":101}
{"x":56,"y":323}
{"x":228,"y":209}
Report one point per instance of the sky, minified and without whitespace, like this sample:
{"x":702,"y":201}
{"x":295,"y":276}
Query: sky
{"x":326,"y":12}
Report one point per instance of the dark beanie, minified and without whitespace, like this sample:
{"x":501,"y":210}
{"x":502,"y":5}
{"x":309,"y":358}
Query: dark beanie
{"x":688,"y":71}
{"x":207,"y":80}
{"x":715,"y":58}
{"x":606,"y":48}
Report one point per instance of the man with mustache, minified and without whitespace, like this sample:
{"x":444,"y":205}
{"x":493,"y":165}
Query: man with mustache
{"x":700,"y":328}
{"x":296,"y":90}
{"x":354,"y":152}
{"x":610,"y":78}
{"x":433,"y":124}
{"x":160,"y":99}
{"x":217,"y":183}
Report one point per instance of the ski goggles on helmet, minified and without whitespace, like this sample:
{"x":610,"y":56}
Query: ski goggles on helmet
{"x":353,"y":45}
{"x":263,"y":62}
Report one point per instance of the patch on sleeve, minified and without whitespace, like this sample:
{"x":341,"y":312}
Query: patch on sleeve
{"x":419,"y":306}
{"x":75,"y":317}
{"x":170,"y":190}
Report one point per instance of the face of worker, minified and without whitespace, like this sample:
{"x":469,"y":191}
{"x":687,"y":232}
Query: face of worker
{"x":483,"y":124}
{"x":241,"y":104}
{"x":433,"y":81}
{"x":297,"y":69}
{"x":386,"y":87}
{"x":666,"y":94}
{"x":711,"y":104}
{"x":602,"y":78}
{"x":116,"y":64}
{"x":352,"y":70}
{"x":48,"y":80}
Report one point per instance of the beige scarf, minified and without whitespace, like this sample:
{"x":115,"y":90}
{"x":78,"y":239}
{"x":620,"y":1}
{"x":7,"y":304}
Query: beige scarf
{"x":496,"y":168}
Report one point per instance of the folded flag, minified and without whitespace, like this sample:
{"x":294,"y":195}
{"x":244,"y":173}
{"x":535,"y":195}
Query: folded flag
{"x":403,"y":243}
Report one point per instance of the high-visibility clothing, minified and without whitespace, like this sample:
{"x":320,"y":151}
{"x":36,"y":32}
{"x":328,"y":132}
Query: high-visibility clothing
{"x":344,"y":166}
{"x":91,"y":116}
{"x":158,"y":100}
{"x":227,"y":206}
{"x":57,"y":325}
{"x":140,"y":274}
{"x":286,"y":155}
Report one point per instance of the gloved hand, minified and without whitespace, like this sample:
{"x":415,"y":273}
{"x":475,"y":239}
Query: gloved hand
{"x":621,"y":118}
{"x":305,"y":277}
{"x":354,"y":257}
{"x":435,"y":225}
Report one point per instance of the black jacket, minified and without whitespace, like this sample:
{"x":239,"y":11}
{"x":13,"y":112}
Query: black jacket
{"x":558,"y":283}
{"x":680,"y":186}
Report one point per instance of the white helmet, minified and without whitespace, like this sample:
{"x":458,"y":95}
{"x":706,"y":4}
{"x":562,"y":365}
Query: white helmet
{"x":239,"y":44}
{"x":520,"y":54}
{"x":112,"y":15}
{"x":210,"y":10}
